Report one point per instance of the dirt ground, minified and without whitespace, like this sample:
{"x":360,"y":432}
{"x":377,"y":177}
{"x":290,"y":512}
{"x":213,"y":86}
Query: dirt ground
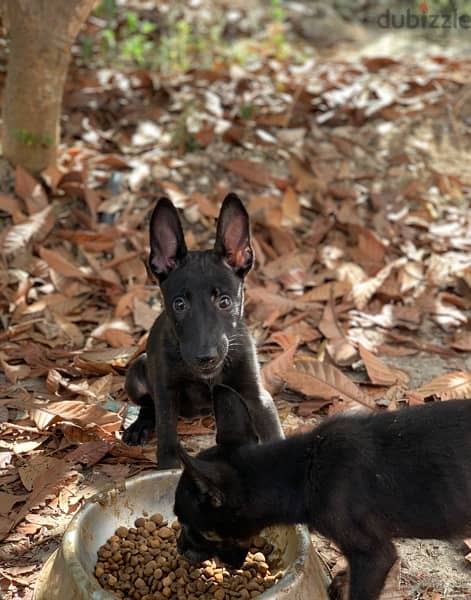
{"x":427,"y":564}
{"x":432,"y":564}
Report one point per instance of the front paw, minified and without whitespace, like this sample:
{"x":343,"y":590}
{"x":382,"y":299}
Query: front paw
{"x":139,"y":432}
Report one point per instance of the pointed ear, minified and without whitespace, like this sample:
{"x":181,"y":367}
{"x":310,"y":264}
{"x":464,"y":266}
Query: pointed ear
{"x":234,"y":424}
{"x":233,"y":235}
{"x":204,"y":474}
{"x":167,"y":244}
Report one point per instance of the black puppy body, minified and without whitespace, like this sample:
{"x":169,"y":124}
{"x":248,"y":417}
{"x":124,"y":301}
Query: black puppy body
{"x":361,"y":480}
{"x":200,"y":338}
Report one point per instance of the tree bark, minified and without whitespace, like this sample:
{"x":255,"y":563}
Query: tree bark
{"x":41,"y":33}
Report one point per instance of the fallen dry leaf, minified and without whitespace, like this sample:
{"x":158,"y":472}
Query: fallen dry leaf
{"x":14,"y":372}
{"x":23,"y":576}
{"x":116,"y":333}
{"x":77,"y":434}
{"x":35,"y":467}
{"x":323,"y":292}
{"x":302,"y":330}
{"x":250,"y":170}
{"x":316,"y":379}
{"x":30,"y":190}
{"x":25,"y":446}
{"x":370,"y":251}
{"x":77,"y":412}
{"x":272,"y":371}
{"x":265,"y":303}
{"x":145,"y":315}
{"x":378,"y":372}
{"x":308,"y":408}
{"x":8,"y":501}
{"x":90,"y":453}
{"x":290,"y":206}
{"x":363,"y":291}
{"x":447,"y":387}
{"x":202,"y":426}
{"x":284,"y":340}
{"x":19,"y":236}
{"x":12,"y":205}
{"x":72,"y":334}
{"x":341,"y":351}
{"x":207,"y":208}
{"x":45,"y":484}
{"x":104,"y":361}
{"x":59,"y":263}
{"x":462,"y":341}
{"x":295,"y":262}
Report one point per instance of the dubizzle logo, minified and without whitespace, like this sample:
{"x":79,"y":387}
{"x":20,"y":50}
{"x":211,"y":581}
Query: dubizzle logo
{"x":423,"y":18}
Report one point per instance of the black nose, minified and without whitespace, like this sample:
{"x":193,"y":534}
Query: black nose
{"x":207,"y":356}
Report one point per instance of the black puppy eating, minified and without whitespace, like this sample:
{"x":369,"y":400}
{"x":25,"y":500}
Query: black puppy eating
{"x":200,"y":338}
{"x":361,"y":480}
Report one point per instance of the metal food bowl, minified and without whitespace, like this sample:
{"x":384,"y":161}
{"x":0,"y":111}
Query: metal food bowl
{"x":68,"y":574}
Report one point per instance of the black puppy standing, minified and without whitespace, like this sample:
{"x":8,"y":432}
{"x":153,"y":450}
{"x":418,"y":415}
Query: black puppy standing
{"x":200,"y":338}
{"x":360,"y":480}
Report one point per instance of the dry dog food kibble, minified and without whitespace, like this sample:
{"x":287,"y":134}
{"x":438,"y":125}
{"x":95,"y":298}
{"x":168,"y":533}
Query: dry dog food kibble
{"x":142,"y":563}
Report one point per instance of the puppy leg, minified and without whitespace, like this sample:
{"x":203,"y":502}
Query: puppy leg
{"x":166,"y":412}
{"x":137,"y":389}
{"x":368,"y":571}
{"x":265,"y":417}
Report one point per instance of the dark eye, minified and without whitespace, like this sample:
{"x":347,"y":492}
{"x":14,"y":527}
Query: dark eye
{"x":179,"y":304}
{"x":224,"y":302}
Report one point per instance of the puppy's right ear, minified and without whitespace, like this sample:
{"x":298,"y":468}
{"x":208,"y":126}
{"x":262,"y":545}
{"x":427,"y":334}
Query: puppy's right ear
{"x":233,"y":421}
{"x":167,"y":243}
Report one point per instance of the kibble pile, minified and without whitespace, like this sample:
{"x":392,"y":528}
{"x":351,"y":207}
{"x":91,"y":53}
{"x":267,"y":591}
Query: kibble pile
{"x":142,"y":563}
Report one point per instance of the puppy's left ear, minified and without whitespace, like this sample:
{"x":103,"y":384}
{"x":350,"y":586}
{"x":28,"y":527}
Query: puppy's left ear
{"x":205,"y":476}
{"x":233,"y":236}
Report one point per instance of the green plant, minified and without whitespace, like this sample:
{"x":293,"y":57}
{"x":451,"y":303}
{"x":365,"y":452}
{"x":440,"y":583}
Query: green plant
{"x":109,"y":42}
{"x":276,"y":30}
{"x":136,"y":44}
{"x":246,"y":111}
{"x":127,"y":37}
{"x":86,"y":47}
{"x":277,"y":11}
{"x":208,"y":45}
{"x":176,"y":48}
{"x":184,"y":41}
{"x":33,"y":139}
{"x":107,"y":9}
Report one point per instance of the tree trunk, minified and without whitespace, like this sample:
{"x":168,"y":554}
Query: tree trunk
{"x":41,"y":33}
